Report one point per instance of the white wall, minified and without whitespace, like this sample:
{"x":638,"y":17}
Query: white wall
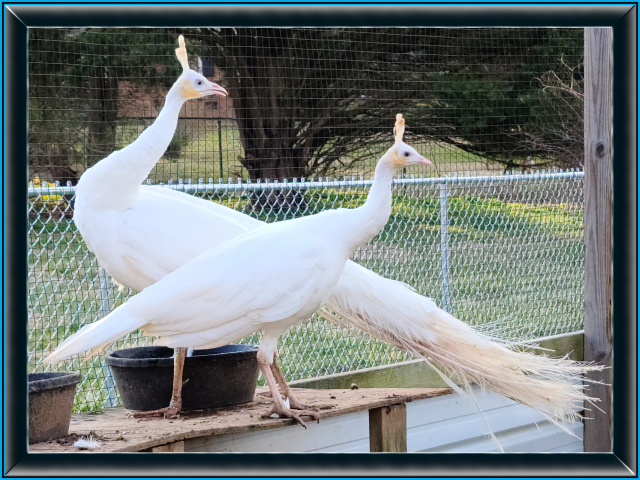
{"x":452,"y":423}
{"x":347,"y":433}
{"x":448,"y":423}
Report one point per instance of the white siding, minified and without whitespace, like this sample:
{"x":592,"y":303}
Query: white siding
{"x":452,"y":423}
{"x":448,"y":423}
{"x":347,"y":433}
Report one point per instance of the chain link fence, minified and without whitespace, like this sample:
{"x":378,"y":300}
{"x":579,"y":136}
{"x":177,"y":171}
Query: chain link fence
{"x":307,"y":106}
{"x":502,"y":252}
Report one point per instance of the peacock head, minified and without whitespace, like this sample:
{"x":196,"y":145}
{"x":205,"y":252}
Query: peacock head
{"x":192,"y":84}
{"x":402,"y":155}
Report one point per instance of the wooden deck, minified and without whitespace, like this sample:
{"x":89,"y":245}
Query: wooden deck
{"x":117,"y":433}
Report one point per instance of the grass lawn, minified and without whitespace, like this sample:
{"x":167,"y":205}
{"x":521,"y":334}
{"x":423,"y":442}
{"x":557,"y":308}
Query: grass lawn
{"x":208,"y":153}
{"x":516,"y":266}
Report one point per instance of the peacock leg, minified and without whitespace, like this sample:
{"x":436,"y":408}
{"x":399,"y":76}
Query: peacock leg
{"x":279,"y":406}
{"x":286,"y":390}
{"x":175,"y":406}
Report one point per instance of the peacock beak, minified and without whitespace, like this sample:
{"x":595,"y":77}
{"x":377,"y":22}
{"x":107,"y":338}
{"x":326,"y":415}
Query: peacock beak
{"x":215,"y":89}
{"x":423,"y":161}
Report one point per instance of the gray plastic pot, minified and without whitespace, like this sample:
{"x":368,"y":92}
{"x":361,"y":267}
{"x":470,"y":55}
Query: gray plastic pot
{"x":51,"y":397}
{"x":216,"y":377}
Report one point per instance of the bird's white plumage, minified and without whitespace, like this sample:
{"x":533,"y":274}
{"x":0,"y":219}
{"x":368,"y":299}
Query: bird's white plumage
{"x":219,"y":296}
{"x":159,"y":232}
{"x":264,"y":278}
{"x":141,"y":234}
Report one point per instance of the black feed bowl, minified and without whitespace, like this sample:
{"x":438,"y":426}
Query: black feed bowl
{"x":216,"y":377}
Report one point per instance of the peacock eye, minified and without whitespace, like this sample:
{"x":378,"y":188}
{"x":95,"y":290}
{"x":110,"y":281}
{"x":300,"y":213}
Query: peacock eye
{"x":406,"y":154}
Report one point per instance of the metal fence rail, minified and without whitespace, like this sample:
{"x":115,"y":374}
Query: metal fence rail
{"x":503,"y":252}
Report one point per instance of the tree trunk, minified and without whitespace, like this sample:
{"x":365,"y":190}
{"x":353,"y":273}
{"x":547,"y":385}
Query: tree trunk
{"x":58,"y":156}
{"x":46,"y":154}
{"x":103,"y":116}
{"x":269,"y":158}
{"x":266,"y":115}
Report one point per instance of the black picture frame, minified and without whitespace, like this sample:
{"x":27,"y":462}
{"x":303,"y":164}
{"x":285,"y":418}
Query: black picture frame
{"x":622,"y":17}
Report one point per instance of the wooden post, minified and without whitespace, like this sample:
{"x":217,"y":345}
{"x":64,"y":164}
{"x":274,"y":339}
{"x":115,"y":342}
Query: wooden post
{"x":169,"y":447}
{"x":388,"y":429}
{"x":597,"y":229}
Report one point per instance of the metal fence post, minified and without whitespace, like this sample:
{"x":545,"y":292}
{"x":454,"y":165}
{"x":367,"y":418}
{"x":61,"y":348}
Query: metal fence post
{"x":105,"y":308}
{"x":220,"y":145}
{"x":444,"y":247}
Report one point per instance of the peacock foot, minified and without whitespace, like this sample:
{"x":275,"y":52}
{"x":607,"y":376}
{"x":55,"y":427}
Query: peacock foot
{"x":295,"y":404}
{"x":284,"y":412}
{"x":172,"y":411}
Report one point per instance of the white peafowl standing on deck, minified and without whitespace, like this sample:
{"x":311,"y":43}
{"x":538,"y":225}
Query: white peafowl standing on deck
{"x":211,"y":301}
{"x":118,"y":221}
{"x":144,"y":247}
{"x":108,"y":195}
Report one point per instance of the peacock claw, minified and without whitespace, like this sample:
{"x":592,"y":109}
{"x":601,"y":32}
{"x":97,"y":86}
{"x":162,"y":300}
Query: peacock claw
{"x":170,"y":412}
{"x":303,"y":406}
{"x":291,"y":413}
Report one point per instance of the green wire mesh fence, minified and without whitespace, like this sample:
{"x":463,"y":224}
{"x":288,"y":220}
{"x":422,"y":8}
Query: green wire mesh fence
{"x":504,"y":252}
{"x":309,"y":113}
{"x":308,"y":102}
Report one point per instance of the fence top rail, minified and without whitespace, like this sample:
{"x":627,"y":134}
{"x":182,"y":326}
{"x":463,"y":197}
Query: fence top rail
{"x":304,"y":184}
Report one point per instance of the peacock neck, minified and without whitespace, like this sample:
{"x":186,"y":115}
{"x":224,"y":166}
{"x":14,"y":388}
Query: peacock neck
{"x":380,"y":195}
{"x":142,"y":155}
{"x":115,"y":181}
{"x":371,"y":218}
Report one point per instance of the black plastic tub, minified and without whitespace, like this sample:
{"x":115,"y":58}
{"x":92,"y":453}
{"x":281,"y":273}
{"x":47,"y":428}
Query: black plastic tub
{"x":216,"y":377}
{"x":51,"y":397}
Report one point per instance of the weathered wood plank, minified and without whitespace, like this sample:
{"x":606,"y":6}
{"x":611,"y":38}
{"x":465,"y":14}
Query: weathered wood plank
{"x":117,"y":433}
{"x":411,"y":374}
{"x":388,"y":429}
{"x":571,"y":344}
{"x":417,"y":374}
{"x":597,"y":225}
{"x":408,"y":380}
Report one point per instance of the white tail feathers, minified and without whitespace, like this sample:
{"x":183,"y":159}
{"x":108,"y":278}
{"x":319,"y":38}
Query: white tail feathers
{"x":390,"y":311}
{"x":96,"y":336}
